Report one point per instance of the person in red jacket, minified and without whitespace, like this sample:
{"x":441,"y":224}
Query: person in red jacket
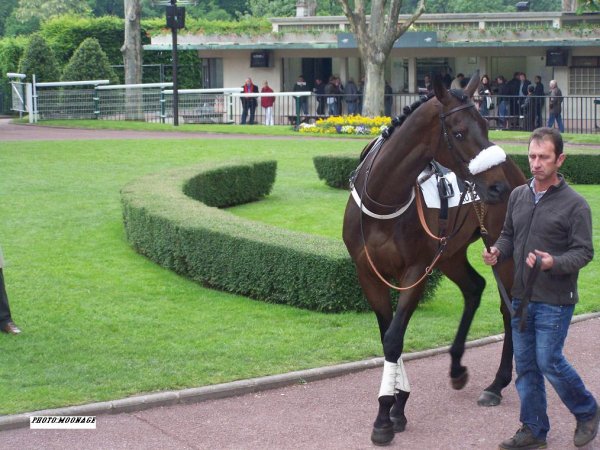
{"x":267,"y":103}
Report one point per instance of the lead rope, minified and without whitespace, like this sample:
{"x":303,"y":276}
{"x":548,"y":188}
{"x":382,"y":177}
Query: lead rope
{"x":480,"y":211}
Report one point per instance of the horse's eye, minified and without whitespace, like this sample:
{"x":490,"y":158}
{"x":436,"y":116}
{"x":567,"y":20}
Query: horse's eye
{"x":458,"y":135}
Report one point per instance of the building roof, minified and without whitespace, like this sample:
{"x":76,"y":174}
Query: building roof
{"x":523,"y":29}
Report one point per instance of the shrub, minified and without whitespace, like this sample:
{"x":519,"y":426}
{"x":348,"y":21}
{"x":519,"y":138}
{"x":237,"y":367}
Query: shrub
{"x":38,"y":58}
{"x":232,"y":185}
{"x":577,"y":168}
{"x":336,"y":169}
{"x":65,"y":33}
{"x":10,"y":54}
{"x":222,"y":251}
{"x":89,"y":62}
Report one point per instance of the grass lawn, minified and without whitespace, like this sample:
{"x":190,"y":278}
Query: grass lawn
{"x":101,"y":322}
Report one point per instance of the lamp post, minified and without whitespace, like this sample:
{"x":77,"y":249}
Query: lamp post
{"x":175,"y":21}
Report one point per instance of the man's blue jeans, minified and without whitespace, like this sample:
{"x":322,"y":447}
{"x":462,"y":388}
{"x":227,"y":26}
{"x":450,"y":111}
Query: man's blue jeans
{"x":502,"y":112}
{"x":538,"y":354}
{"x":558,"y":119}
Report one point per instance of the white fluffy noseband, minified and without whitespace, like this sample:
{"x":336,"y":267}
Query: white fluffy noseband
{"x":487,"y":158}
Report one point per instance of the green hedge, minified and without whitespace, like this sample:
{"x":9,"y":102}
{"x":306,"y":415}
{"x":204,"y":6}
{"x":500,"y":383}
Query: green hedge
{"x":226,"y":252}
{"x":577,"y":169}
{"x":335,"y":169}
{"x":232,"y":185}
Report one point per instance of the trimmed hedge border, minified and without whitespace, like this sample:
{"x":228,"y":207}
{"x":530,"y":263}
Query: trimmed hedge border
{"x":233,"y":254}
{"x":335,"y":170}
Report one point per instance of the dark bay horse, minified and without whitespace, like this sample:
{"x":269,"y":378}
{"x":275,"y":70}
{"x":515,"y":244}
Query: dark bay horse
{"x":389,"y":243}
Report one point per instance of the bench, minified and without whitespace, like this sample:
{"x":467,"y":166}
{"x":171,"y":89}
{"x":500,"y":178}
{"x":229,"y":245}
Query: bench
{"x":305,"y":118}
{"x":203,"y":118}
{"x":512,"y":122}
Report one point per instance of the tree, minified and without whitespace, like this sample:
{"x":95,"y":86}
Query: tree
{"x":44,"y":9}
{"x":107,"y":7}
{"x":271,"y":8}
{"x":89,"y":62}
{"x":132,"y":47}
{"x":375,"y":38}
{"x":6,"y":8}
{"x":132,"y":58}
{"x":39,"y":60}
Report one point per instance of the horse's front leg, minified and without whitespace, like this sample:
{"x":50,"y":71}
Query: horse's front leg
{"x":395,"y":388}
{"x":471,"y":285}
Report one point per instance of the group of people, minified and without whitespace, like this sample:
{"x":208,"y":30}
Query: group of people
{"x":249,"y":104}
{"x":331,"y":98}
{"x":518,"y":97}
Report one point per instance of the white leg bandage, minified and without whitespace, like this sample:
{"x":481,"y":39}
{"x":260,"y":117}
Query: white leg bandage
{"x":486,"y":159}
{"x":394,"y":378}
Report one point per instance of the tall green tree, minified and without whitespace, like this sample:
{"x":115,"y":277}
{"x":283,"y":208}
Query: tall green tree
{"x":89,"y":62}
{"x":6,"y":9}
{"x":39,"y":60}
{"x":107,"y":8}
{"x":272,"y":8}
{"x":44,"y":9}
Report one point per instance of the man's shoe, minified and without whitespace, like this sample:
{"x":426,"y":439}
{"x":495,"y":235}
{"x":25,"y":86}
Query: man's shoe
{"x":523,"y":439}
{"x":11,"y":328}
{"x":586,"y":431}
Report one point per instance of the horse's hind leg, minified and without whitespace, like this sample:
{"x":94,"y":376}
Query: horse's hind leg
{"x":471,"y":285}
{"x":492,"y":395}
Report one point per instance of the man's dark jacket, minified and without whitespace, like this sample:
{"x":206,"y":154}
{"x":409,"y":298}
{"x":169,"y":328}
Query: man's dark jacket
{"x":560,"y":224}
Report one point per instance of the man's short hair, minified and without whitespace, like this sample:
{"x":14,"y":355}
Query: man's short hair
{"x":549,"y":134}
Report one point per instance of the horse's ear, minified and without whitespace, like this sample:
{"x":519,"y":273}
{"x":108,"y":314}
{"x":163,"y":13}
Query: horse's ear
{"x":473,"y":84}
{"x":439,"y":88}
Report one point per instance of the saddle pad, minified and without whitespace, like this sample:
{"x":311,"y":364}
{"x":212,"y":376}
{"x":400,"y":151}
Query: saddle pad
{"x":432,"y":195}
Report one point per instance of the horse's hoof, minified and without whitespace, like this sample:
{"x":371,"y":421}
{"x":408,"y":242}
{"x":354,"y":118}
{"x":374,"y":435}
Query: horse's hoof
{"x":488,"y":398}
{"x":382,"y":435}
{"x":399,"y":423}
{"x":459,"y":382}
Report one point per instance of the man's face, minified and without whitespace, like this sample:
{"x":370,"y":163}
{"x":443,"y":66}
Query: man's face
{"x":543,"y":162}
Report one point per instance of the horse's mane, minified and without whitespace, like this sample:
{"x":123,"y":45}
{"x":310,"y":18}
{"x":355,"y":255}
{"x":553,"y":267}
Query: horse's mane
{"x":406,"y":112}
{"x":396,"y":122}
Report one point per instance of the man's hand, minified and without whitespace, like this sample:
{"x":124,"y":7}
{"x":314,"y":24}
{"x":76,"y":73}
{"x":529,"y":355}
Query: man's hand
{"x":491,"y":257}
{"x":547,"y":259}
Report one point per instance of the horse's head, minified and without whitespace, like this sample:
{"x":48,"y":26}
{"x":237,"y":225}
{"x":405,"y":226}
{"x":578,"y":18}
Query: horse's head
{"x":464,"y":146}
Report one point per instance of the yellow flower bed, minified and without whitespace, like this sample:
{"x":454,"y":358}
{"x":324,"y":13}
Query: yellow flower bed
{"x":347,"y":125}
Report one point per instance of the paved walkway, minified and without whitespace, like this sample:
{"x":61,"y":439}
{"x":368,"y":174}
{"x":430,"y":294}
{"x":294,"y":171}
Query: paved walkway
{"x":336,"y":413}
